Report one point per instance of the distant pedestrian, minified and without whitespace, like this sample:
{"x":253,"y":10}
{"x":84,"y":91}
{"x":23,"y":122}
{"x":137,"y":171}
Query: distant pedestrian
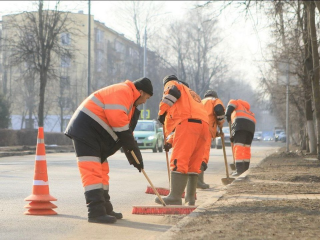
{"x":215,"y":110}
{"x":102,"y":124}
{"x":242,"y":131}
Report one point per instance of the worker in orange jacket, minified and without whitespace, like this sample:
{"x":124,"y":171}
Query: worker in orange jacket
{"x":242,"y":130}
{"x":181,"y":111}
{"x":215,"y":110}
{"x":102,"y":124}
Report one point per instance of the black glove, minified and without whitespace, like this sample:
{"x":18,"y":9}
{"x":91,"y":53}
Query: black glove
{"x":139,"y":157}
{"x":128,"y":144}
{"x":231,"y":139}
{"x":167,"y":146}
{"x":204,"y":166}
{"x":132,"y":161}
{"x":174,"y":91}
{"x":162,"y":117}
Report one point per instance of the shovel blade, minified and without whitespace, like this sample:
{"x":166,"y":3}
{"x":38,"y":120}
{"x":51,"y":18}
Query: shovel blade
{"x":232,"y":166}
{"x":227,"y":181}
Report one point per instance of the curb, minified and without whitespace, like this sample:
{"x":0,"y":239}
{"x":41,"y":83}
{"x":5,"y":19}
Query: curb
{"x":184,"y":221}
{"x":169,"y":234}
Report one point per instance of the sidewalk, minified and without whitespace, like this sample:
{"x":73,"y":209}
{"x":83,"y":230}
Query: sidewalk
{"x":279,"y":198}
{"x":29,"y":150}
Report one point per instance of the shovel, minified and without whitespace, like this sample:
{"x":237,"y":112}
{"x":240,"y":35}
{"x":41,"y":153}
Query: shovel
{"x":226,"y":180}
{"x":232,"y":165}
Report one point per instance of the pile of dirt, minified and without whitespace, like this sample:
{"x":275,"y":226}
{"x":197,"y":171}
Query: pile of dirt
{"x":271,"y":202}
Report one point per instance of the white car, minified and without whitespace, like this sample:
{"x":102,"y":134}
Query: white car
{"x":217,"y":141}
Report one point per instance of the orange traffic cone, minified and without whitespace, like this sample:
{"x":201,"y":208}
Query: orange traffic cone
{"x":40,"y":198}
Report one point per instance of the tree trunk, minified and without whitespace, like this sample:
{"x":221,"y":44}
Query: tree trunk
{"x":315,"y":78}
{"x":308,"y":67}
{"x":310,"y":128}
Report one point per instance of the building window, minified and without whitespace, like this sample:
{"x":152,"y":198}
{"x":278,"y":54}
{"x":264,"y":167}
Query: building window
{"x":65,"y":39}
{"x":65,"y":61}
{"x":65,"y":82}
{"x":119,"y":47}
{"x":100,"y":61}
{"x":99,"y":35}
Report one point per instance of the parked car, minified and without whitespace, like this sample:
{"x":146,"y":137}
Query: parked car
{"x":149,"y":135}
{"x":277,"y":131}
{"x":218,"y":143}
{"x":282,"y":137}
{"x":257,"y":136}
{"x":268,"y":138}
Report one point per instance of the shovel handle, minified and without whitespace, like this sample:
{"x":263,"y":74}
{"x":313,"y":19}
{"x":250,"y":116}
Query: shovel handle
{"x":144,"y":173}
{"x":224,"y":152}
{"x":234,"y":161}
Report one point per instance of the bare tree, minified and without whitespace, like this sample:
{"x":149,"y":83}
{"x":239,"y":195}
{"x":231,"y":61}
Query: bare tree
{"x":194,"y":43}
{"x":34,"y":39}
{"x":315,"y":72}
{"x":141,"y":18}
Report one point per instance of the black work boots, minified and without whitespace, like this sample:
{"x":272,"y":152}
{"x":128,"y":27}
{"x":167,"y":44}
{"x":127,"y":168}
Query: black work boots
{"x":102,"y":219}
{"x":100,"y":209}
{"x":109,"y":207}
{"x":241,"y":168}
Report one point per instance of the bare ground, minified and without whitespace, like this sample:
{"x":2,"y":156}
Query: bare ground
{"x":274,"y":201}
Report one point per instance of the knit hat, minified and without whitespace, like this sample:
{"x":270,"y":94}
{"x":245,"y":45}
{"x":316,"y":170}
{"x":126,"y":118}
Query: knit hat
{"x":144,"y":84}
{"x":211,"y":93}
{"x":169,"y":78}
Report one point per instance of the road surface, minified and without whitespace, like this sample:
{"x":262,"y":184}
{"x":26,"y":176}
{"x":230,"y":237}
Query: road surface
{"x":127,"y":188}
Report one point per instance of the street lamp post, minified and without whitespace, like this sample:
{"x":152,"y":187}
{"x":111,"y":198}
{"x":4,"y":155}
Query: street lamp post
{"x":144,"y":65}
{"x":89,"y":46}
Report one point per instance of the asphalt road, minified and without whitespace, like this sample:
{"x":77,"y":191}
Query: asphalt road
{"x":127,"y":188}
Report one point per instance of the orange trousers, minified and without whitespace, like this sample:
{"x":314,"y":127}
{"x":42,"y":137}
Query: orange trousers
{"x":94,"y":174}
{"x":189,"y":142}
{"x":242,"y":146}
{"x":242,"y":152}
{"x":206,"y":154}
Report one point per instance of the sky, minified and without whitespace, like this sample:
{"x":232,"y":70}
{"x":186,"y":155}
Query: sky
{"x":243,"y":40}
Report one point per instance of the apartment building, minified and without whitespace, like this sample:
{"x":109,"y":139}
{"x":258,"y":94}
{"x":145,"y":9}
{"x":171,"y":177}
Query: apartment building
{"x":114,"y":58}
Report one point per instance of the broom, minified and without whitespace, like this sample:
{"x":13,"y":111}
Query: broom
{"x":162,"y":191}
{"x":232,"y":165}
{"x":159,"y":209}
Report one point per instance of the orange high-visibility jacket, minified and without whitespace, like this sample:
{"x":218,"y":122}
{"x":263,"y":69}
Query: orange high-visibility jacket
{"x":215,"y":110}
{"x":103,"y":113}
{"x":241,"y":116}
{"x":187,"y":106}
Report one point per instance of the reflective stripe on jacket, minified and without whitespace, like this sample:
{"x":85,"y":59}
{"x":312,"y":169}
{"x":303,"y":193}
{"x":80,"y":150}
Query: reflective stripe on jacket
{"x":103,"y":113}
{"x":187,"y":106}
{"x":209,"y":104}
{"x":241,"y":118}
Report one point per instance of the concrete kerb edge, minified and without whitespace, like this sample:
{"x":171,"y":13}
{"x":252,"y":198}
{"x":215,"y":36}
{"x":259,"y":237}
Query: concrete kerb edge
{"x":169,"y":234}
{"x":184,"y":221}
